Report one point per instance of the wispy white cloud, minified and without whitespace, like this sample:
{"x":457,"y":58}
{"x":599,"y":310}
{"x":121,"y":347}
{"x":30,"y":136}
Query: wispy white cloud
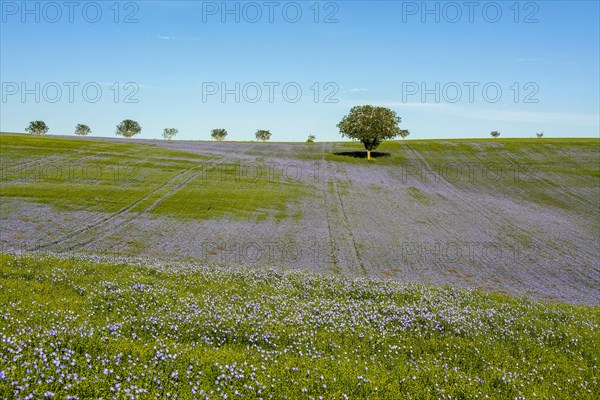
{"x":359,"y":90}
{"x":164,"y":37}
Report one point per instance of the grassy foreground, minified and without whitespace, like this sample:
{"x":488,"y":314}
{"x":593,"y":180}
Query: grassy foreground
{"x":84,"y":328}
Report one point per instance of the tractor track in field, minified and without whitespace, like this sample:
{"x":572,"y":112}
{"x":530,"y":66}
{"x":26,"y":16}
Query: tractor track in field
{"x":559,"y":188}
{"x":110,"y":225}
{"x":39,"y":162}
{"x":105,"y":218}
{"x":332,"y":243}
{"x":475,"y":206}
{"x":573,"y":196}
{"x":119,"y":225}
{"x":177,"y":187}
{"x":358,"y":268}
{"x":25,"y":164}
{"x":387,"y":217}
{"x":485,"y":213}
{"x":346,"y":224}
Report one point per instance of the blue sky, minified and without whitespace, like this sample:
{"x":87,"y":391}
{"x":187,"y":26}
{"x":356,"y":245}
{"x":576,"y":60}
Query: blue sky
{"x":179,"y":55}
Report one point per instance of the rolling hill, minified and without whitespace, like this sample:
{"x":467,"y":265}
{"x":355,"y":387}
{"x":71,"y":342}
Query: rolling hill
{"x":441,"y":269}
{"x":518,"y":216}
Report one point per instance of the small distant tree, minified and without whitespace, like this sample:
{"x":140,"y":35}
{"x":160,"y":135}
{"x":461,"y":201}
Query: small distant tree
{"x":37,"y":128}
{"x":262,"y":135}
{"x":169,"y":133}
{"x":495,"y":134}
{"x":404,"y":133}
{"x":218,"y":134}
{"x":539,"y":135}
{"x":311,"y":139}
{"x":128,"y":128}
{"x":371,"y":125}
{"x":82,"y":130}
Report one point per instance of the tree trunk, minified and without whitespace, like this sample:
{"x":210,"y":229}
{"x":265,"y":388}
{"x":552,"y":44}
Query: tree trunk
{"x":368,"y":154}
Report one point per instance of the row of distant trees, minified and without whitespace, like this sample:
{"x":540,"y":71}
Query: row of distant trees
{"x":495,"y":134}
{"x":368,"y":124}
{"x":129,"y":128}
{"x":219,"y":134}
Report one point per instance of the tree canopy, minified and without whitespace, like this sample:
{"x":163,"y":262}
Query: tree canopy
{"x":263,"y":135}
{"x":128,"y":128}
{"x":370,"y":125}
{"x":218,"y":134}
{"x":37,"y":128}
{"x":169,"y":133}
{"x":82,"y":130}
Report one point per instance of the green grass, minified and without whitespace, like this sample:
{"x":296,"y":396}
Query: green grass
{"x":96,"y":329}
{"x":216,"y":200}
{"x":107,"y":176}
{"x":90,"y":327}
{"x":419,"y":196}
{"x":489,"y":150}
{"x":85,"y":174}
{"x":520,"y":168}
{"x":120,"y":174}
{"x":227,"y":192}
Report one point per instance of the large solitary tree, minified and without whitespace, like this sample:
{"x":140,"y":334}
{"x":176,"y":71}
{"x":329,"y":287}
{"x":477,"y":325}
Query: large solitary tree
{"x":128,"y":128}
{"x":494,"y":134}
{"x":370,"y":125}
{"x":37,"y":128}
